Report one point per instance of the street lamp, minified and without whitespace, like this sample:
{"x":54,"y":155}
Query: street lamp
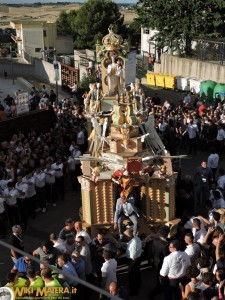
{"x":10,"y":47}
{"x":56,"y":69}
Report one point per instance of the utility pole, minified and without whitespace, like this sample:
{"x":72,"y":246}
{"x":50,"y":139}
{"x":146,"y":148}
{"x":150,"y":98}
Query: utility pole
{"x":56,"y":69}
{"x":10,"y":46}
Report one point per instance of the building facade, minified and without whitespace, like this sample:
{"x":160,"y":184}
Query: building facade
{"x":40,"y":40}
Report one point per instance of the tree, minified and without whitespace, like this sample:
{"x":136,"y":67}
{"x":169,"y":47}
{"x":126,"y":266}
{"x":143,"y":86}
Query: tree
{"x":134,"y":33}
{"x":63,"y":24}
{"x":90,"y":22}
{"x":179,"y":21}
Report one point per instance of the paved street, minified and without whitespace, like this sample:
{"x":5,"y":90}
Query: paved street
{"x":53,"y":219}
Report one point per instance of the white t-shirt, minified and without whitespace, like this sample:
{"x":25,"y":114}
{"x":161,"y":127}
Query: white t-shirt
{"x":31,"y":186}
{"x":199,"y":235}
{"x":187,"y":99}
{"x":220,"y":134}
{"x":213,"y":161}
{"x":80,"y":138}
{"x":3,"y":184}
{"x":192,"y":250}
{"x":58,"y":168}
{"x":175,"y":264}
{"x":134,"y":248}
{"x":59,"y":245}
{"x":86,"y":236}
{"x":192,"y":130}
{"x":221,"y":182}
{"x":13,"y":193}
{"x":109,"y":271}
{"x":220,"y":203}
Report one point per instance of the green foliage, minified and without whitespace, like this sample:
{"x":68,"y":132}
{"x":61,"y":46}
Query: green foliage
{"x":63,"y":24}
{"x":86,"y":79}
{"x":93,"y":20}
{"x":90,"y":23}
{"x":179,"y":21}
{"x":134,"y":33}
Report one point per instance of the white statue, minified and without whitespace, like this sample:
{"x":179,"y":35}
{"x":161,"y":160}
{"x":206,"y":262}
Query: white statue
{"x":119,"y":73}
{"x":113,"y":79}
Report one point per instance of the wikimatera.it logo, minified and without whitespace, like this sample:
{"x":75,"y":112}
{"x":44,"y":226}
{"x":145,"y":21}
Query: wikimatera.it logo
{"x":52,"y":293}
{"x":6,"y":293}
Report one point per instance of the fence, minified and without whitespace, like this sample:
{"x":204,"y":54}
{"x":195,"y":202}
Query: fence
{"x":209,"y":50}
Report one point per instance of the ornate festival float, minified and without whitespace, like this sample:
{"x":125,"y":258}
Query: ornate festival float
{"x":125,"y":151}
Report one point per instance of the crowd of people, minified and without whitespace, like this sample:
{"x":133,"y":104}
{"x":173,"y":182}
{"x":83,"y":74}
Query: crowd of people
{"x":35,"y":166}
{"x":194,"y":121}
{"x":37,"y":99}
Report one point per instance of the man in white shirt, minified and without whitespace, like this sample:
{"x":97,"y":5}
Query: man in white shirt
{"x":72,"y":146}
{"x":214,"y":220}
{"x":10,"y":195}
{"x":192,"y":130}
{"x":74,"y":91}
{"x":192,"y":249}
{"x":221,"y":179}
{"x":220,"y":139}
{"x":81,"y":232}
{"x":39,"y":177}
{"x":2,"y":218}
{"x":85,"y":253}
{"x":58,"y":243}
{"x":22,"y":188}
{"x":50,"y":185}
{"x":133,"y":253}
{"x":71,"y":170}
{"x":3,"y":182}
{"x":187,"y":98}
{"x":125,"y":209}
{"x":59,"y":178}
{"x":80,"y":140}
{"x":90,"y":66}
{"x":213,"y":161}
{"x":173,"y":270}
{"x":31,"y":193}
{"x":108,"y":270}
{"x":198,"y":233}
{"x":78,"y":172}
{"x":189,"y":223}
{"x":218,"y":202}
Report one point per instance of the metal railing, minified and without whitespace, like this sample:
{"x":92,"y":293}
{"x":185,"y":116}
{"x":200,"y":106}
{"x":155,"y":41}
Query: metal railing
{"x":65,"y":274}
{"x":209,"y":50}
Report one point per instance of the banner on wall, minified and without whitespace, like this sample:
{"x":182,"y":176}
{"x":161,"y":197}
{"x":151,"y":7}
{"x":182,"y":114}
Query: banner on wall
{"x":22,"y":103}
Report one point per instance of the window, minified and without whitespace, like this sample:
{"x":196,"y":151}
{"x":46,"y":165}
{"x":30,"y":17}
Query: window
{"x":146,"y":31}
{"x":37,"y":49}
{"x":45,"y":33}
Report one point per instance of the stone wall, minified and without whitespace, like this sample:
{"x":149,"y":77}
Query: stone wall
{"x":41,"y":70}
{"x":191,"y":68}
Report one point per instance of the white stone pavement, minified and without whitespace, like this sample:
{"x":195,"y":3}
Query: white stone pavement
{"x":10,"y":87}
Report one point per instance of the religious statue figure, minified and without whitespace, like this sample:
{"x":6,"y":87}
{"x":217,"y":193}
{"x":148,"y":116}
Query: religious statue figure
{"x":119,"y":74}
{"x":113,"y":79}
{"x":94,"y":95}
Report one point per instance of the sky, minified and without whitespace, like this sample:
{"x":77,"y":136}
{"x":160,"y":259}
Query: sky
{"x":55,"y":1}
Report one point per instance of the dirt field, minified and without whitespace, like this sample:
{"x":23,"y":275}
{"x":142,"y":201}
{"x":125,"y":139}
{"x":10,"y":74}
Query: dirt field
{"x":44,"y":13}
